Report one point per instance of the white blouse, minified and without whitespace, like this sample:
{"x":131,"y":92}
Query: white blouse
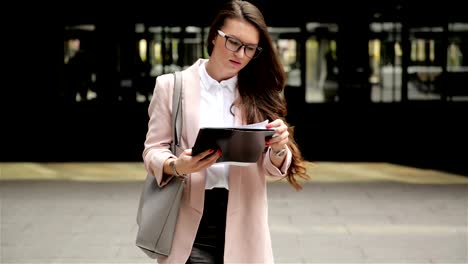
{"x":215,"y":111}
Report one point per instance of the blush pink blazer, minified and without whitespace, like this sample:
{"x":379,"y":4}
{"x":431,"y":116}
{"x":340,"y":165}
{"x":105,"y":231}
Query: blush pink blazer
{"x":247,"y":231}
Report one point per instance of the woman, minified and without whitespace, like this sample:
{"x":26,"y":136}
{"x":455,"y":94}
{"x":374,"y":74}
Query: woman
{"x":223,"y":217}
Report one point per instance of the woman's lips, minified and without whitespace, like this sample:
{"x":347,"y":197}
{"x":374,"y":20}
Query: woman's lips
{"x":235,"y":63}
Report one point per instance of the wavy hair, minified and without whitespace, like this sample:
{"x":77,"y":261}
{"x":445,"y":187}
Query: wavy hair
{"x":262,"y":81}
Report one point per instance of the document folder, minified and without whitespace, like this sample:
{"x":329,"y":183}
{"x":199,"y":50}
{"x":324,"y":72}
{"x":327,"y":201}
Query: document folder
{"x":239,"y":145}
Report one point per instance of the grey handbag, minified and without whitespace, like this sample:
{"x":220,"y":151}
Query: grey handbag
{"x":159,"y":207}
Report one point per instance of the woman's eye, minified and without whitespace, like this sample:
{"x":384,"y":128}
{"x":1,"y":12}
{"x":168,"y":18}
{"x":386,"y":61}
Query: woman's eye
{"x":235,"y":42}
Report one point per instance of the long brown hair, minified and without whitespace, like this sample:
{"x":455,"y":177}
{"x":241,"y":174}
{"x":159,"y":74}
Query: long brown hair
{"x":262,"y":81}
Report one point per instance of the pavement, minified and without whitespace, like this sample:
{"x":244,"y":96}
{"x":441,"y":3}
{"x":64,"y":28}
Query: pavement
{"x":380,"y":221}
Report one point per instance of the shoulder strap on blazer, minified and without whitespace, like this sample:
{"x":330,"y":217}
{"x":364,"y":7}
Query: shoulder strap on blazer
{"x":176,"y":111}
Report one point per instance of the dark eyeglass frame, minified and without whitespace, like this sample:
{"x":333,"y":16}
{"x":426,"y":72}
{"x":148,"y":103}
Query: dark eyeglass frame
{"x":226,"y":37}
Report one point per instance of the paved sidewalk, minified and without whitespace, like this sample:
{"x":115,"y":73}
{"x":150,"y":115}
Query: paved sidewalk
{"x":380,"y":222}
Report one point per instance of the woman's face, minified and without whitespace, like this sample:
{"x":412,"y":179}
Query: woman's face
{"x":227,"y":62}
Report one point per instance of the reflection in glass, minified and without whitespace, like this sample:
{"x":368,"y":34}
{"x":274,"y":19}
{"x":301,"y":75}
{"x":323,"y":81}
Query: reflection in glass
{"x":321,"y":63}
{"x":78,"y":75}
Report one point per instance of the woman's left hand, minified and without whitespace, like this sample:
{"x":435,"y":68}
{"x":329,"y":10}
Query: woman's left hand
{"x":281,"y":137}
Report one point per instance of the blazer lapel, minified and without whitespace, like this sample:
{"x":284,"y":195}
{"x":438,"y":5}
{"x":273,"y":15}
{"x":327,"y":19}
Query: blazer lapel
{"x":191,"y":106}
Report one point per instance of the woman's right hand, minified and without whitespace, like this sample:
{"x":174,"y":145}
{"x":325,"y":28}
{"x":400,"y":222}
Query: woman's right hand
{"x":186,"y":163}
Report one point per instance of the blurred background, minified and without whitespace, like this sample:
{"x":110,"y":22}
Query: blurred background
{"x":380,"y":81}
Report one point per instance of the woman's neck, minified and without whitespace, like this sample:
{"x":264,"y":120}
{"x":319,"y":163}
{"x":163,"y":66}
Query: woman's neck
{"x":214,"y":71}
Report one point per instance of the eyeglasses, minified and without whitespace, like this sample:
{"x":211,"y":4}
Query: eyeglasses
{"x":233,"y":44}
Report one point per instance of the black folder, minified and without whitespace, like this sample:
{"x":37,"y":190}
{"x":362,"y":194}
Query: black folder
{"x":238,"y":145}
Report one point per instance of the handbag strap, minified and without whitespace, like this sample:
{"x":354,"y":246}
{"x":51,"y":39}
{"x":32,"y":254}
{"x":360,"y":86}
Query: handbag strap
{"x":176,"y":111}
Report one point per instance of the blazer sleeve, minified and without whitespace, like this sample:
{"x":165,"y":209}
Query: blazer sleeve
{"x":271,"y":169}
{"x":159,"y":135}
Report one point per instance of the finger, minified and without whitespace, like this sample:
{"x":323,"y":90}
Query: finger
{"x":281,"y":128}
{"x":279,"y":137}
{"x":279,"y":146}
{"x":284,"y":142}
{"x":185,"y":153}
{"x":275,"y":123}
{"x":205,"y":163}
{"x":205,"y":154}
{"x":216,"y":155}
